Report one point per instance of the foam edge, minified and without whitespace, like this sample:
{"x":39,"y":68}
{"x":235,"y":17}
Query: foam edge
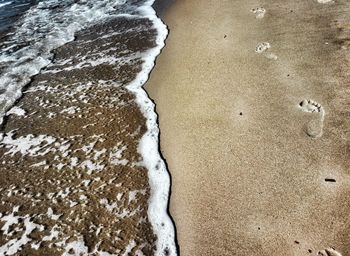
{"x":159,"y":178}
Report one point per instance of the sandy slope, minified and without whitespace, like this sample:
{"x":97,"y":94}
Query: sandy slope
{"x":249,"y":164}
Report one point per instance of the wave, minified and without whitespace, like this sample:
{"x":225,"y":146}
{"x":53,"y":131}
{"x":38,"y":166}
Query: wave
{"x":4,"y":4}
{"x":54,"y":23}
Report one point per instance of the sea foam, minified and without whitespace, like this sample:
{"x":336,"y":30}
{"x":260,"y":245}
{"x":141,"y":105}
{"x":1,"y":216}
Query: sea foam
{"x":44,"y":28}
{"x":54,"y":23}
{"x":4,"y":4}
{"x":158,"y":175}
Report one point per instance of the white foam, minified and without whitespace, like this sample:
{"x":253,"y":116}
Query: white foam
{"x":116,"y":154}
{"x":26,"y":145}
{"x":42,"y":30}
{"x":78,"y":247}
{"x":16,"y":111}
{"x":71,"y":110}
{"x":133,"y":193}
{"x":109,"y":206}
{"x":25,"y":4}
{"x":47,"y":30}
{"x":157,"y":172}
{"x":15,"y":245}
{"x":10,"y":220}
{"x":91,"y":166}
{"x":4,"y":4}
{"x":54,"y":233}
{"x":93,"y":63}
{"x":51,"y":215}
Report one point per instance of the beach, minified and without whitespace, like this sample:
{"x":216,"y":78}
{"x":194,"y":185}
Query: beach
{"x":253,"y":105}
{"x":80,"y":171}
{"x":175,"y":127}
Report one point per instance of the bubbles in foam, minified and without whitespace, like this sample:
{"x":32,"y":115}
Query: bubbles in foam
{"x":44,"y":28}
{"x":53,"y":23}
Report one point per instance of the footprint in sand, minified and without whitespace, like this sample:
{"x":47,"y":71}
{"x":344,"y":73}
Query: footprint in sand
{"x":259,"y":12}
{"x":264,"y":48}
{"x":315,"y":126}
{"x":329,"y":252}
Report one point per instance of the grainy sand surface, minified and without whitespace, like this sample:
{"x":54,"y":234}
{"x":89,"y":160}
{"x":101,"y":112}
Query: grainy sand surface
{"x":257,"y":143}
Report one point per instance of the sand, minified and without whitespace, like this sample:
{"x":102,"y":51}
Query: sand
{"x":257,"y":139}
{"x":72,"y":179}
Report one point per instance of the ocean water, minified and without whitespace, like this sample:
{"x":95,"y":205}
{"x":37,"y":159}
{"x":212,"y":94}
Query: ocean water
{"x":76,"y":121}
{"x":11,"y":11}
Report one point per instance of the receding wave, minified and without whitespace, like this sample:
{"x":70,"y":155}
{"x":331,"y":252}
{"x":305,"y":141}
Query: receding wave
{"x":81,"y":169}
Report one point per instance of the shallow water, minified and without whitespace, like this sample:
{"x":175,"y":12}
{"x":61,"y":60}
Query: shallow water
{"x":83,"y":130}
{"x":11,"y":11}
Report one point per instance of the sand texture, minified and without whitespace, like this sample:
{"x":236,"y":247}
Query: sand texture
{"x":254,"y":112}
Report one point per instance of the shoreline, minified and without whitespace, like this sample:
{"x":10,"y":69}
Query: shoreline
{"x":81,"y":147}
{"x":251,"y":161}
{"x":161,"y":7}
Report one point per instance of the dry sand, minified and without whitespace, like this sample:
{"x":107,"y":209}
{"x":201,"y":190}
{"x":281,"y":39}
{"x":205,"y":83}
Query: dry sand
{"x":254,"y":172}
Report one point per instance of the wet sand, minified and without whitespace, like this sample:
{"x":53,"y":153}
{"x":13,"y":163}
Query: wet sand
{"x":257,"y":143}
{"x":72,"y":177}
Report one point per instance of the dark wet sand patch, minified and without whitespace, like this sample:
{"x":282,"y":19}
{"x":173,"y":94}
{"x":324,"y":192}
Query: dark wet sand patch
{"x":70,"y":165}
